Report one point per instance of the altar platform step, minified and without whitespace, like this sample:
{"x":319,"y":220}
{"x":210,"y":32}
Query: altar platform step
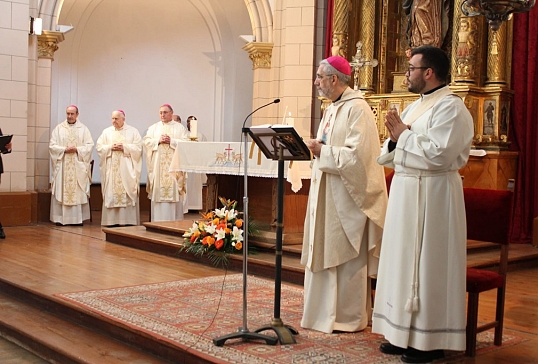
{"x":166,"y":238}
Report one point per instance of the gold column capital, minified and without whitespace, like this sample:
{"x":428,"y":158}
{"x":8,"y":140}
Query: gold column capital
{"x":259,"y":53}
{"x":47,"y":43}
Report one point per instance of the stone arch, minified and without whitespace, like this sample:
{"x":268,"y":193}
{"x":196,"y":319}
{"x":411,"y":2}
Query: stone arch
{"x":260,"y":13}
{"x":261,"y":18}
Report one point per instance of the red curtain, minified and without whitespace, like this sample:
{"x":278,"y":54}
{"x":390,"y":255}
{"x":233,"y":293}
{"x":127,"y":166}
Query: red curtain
{"x":524,"y":122}
{"x":329,"y":28}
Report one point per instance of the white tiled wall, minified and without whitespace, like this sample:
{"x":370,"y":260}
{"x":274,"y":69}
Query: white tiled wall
{"x":14,"y":21}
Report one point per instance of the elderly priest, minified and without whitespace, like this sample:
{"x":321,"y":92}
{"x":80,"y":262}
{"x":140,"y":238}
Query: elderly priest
{"x":120,"y":151}
{"x":70,"y":149}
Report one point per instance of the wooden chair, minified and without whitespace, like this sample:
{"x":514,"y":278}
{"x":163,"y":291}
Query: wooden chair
{"x":489,"y":215}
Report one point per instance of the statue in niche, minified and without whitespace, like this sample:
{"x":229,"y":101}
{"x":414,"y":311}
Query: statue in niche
{"x":338,"y":46}
{"x":489,"y":124}
{"x":464,"y":39}
{"x":428,"y":21}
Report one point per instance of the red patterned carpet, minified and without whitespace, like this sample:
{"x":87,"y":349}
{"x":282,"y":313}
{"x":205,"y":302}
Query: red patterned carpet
{"x":190,"y":313}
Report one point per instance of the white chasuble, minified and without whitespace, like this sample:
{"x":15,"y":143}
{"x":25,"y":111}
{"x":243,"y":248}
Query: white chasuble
{"x":120,"y":174}
{"x":420,"y":293}
{"x":71,"y":172}
{"x":344,"y":219}
{"x":163,"y":187}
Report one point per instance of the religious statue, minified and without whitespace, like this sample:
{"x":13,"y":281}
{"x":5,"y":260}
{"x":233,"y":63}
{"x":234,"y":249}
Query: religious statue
{"x":338,"y":46}
{"x":428,"y":22}
{"x":464,"y":39}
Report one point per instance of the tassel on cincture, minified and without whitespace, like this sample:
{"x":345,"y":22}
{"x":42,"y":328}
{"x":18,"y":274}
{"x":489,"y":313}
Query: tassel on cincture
{"x":412,"y":304}
{"x":415,"y":304}
{"x":409,"y":305}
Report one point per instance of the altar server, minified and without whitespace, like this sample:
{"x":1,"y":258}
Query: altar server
{"x":120,"y":151}
{"x":165,"y":190}
{"x":346,"y":207}
{"x":420,"y":297}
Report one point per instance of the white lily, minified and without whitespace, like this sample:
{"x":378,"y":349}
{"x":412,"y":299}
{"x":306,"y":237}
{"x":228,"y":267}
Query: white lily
{"x":221,"y":234}
{"x":237,"y":234}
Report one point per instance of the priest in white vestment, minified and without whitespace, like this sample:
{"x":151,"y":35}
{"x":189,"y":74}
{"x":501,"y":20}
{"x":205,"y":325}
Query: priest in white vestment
{"x":120,"y":151}
{"x":70,"y":149}
{"x":420,"y":296}
{"x":346,"y":208}
{"x":195,"y":181}
{"x":165,"y":190}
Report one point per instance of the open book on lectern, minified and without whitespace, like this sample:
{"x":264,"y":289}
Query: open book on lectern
{"x":270,"y":139}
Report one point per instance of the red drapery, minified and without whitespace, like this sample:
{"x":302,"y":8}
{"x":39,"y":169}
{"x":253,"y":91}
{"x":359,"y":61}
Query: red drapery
{"x":524,"y":133}
{"x":329,"y":28}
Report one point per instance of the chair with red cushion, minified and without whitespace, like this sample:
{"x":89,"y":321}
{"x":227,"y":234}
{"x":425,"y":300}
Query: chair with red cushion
{"x":488,"y":215}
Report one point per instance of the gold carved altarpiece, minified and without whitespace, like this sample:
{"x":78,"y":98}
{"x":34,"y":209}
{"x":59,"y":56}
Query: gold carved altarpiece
{"x":480,"y":69}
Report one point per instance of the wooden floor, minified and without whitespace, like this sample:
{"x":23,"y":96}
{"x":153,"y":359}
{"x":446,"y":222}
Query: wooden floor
{"x":46,"y":259}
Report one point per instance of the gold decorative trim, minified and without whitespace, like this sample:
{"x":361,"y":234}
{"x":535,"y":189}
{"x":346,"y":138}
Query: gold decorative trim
{"x":47,"y":43}
{"x":259,"y":53}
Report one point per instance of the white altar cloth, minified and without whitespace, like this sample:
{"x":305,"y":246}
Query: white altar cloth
{"x":227,"y":158}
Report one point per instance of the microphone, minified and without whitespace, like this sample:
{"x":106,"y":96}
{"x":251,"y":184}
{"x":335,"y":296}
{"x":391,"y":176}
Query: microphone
{"x":275,"y":101}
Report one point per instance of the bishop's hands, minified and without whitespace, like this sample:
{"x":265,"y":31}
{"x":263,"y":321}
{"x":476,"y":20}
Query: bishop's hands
{"x":165,"y":139}
{"x":394,"y":125}
{"x":315,"y":146}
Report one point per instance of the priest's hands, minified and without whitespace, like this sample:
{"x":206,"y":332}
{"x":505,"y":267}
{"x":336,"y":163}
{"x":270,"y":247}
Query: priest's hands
{"x":394,"y":125}
{"x":117,"y":146}
{"x":165,"y":139}
{"x":315,"y":146}
{"x":71,"y":149}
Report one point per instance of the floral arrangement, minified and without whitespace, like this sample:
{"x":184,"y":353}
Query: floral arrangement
{"x":220,"y":234}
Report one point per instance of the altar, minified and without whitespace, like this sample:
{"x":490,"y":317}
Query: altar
{"x":223,"y":162}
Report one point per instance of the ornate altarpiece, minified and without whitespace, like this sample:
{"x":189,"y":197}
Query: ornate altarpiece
{"x":480,"y":69}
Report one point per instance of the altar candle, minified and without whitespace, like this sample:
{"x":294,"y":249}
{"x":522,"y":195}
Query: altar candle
{"x":290,"y":121}
{"x":194,"y":128}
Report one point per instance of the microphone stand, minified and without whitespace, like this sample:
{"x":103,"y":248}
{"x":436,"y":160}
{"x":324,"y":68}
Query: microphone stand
{"x":243,"y":332}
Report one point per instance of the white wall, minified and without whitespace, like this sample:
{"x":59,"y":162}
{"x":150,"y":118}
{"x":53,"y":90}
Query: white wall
{"x":14,"y":18}
{"x":136,"y":55}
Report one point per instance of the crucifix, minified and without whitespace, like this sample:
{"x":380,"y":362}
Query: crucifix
{"x":358,"y":62}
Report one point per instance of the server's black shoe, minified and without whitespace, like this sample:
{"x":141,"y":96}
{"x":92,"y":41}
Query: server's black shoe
{"x":388,"y":348}
{"x":419,"y":356}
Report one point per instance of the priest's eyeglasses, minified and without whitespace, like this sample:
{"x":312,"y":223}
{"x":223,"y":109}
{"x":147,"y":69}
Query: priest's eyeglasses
{"x":412,"y":68}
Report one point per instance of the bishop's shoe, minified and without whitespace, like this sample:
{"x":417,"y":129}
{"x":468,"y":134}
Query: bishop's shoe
{"x":419,"y":356}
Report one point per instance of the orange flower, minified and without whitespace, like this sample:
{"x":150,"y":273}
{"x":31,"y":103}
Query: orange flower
{"x":216,"y":221}
{"x":227,"y":230}
{"x":208,"y":240}
{"x":208,"y":216}
{"x":239,"y":223}
{"x":219,"y":244}
{"x":194,"y":236}
{"x":238,"y":245}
